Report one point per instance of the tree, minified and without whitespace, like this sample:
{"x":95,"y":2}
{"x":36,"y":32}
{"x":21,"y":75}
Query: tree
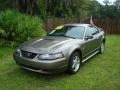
{"x":106,"y":2}
{"x":94,"y":9}
{"x":54,"y":8}
{"x":117,"y":4}
{"x":117,"y":9}
{"x":6,"y":4}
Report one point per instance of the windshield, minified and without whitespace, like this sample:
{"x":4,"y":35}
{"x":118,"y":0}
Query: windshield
{"x":69,"y":31}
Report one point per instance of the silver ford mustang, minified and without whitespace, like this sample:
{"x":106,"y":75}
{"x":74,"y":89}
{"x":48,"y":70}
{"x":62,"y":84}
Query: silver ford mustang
{"x":64,"y":48}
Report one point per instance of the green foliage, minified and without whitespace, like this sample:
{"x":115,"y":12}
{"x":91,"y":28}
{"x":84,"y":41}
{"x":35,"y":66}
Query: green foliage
{"x":81,"y":9}
{"x":54,"y":8}
{"x":17,"y":28}
{"x":67,"y":8}
{"x":42,"y":9}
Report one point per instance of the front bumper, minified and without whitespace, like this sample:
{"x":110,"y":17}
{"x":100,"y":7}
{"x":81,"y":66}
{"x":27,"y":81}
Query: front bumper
{"x":42,"y":66}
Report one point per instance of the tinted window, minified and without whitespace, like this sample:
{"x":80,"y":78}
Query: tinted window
{"x":69,"y":31}
{"x":91,"y":31}
{"x":97,"y":31}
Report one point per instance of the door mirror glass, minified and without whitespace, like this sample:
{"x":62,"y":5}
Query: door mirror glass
{"x":101,"y":29}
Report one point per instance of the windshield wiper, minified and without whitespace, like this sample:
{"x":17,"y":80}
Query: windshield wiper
{"x":69,"y":37}
{"x":66,"y":36}
{"x":63,"y":36}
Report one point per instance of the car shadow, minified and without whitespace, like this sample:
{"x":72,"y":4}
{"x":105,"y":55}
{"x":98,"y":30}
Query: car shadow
{"x":91,"y":59}
{"x":41,"y":76}
{"x":23,"y":77}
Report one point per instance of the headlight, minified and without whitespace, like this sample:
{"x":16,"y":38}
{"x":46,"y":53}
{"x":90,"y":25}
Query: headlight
{"x":18,"y":52}
{"x":50,"y":56}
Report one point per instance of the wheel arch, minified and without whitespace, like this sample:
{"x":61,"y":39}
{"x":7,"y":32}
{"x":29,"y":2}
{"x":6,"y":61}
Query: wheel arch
{"x":104,"y":40}
{"x":76,"y":50}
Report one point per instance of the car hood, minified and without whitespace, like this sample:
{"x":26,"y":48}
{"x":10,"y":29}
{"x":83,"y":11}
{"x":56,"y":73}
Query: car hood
{"x":44,"y":45}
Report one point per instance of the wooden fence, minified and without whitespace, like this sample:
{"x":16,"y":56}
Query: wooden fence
{"x":109,"y":26}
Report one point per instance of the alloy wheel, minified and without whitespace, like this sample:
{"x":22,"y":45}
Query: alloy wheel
{"x":76,"y":63}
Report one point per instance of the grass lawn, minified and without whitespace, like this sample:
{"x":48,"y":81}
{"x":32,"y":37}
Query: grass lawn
{"x":99,"y":73}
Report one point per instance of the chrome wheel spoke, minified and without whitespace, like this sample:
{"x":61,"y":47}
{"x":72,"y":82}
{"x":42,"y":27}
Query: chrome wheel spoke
{"x":76,"y":63}
{"x":102,"y":48}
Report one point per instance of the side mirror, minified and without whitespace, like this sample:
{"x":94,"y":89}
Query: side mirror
{"x":88,"y":37}
{"x":101,"y":29}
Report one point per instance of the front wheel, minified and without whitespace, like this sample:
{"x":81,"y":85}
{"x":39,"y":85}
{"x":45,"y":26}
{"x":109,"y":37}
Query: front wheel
{"x":74,"y":63}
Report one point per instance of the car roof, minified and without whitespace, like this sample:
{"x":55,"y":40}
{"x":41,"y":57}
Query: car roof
{"x":84,"y":25}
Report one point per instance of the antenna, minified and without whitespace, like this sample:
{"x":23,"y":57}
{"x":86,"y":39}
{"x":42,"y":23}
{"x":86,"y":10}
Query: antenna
{"x":91,"y":21}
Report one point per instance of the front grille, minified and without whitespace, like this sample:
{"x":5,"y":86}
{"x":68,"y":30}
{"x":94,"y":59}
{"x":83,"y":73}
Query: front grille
{"x":27,"y":54}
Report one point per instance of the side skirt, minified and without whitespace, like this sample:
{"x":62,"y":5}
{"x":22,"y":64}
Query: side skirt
{"x":89,"y":56}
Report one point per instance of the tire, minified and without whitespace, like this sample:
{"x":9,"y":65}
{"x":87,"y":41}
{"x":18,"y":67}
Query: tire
{"x":74,"y":63}
{"x":102,"y":48}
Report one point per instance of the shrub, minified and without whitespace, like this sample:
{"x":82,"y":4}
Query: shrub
{"x":17,"y":28}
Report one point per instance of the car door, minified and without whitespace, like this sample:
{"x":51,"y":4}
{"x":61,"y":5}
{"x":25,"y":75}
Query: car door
{"x":90,"y":44}
{"x":97,"y":36}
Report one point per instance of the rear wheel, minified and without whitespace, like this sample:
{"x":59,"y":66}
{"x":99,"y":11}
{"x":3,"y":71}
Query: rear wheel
{"x":74,"y":63}
{"x":102,"y":47}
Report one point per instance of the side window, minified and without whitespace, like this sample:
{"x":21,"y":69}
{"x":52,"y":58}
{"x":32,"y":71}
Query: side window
{"x":97,"y":31}
{"x":91,"y":31}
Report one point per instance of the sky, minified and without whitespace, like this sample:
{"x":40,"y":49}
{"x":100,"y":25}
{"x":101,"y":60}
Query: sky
{"x":101,"y":1}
